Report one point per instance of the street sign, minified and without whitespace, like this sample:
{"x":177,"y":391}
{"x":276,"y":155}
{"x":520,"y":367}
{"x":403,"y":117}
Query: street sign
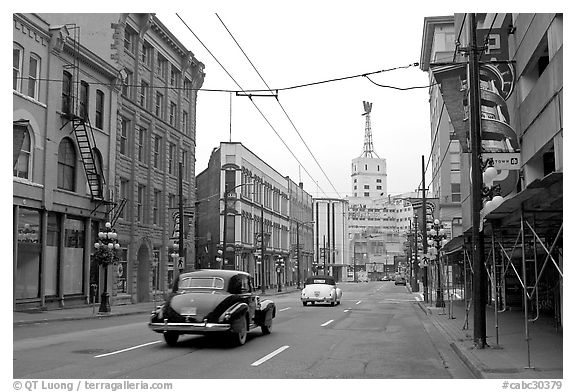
{"x":504,"y":160}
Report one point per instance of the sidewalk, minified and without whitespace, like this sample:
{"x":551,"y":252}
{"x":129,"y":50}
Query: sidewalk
{"x":89,"y":312}
{"x":509,"y":358}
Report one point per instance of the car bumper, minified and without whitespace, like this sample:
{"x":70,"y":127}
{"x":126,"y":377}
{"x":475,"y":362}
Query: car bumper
{"x":317,"y":299}
{"x":191,"y":328}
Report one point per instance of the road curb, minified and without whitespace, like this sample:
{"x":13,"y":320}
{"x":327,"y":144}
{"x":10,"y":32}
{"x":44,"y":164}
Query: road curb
{"x":74,"y":318}
{"x":473,"y":368}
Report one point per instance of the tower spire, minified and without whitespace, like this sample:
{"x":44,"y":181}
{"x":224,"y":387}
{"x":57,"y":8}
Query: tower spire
{"x":368,"y":145}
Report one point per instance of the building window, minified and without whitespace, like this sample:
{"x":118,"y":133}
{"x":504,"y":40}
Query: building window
{"x":156,"y":207}
{"x":140,"y":203}
{"x":129,"y":40}
{"x":33,"y":76}
{"x":22,"y":168}
{"x":161,"y":66}
{"x":127,"y":86}
{"x":172,"y":118}
{"x":124,"y":186}
{"x":171,"y":156}
{"x":185,"y":121}
{"x":141,"y":144}
{"x":366,"y":186}
{"x":173,"y":76}
{"x":378,"y":180}
{"x":159,"y":99}
{"x":456,"y":196}
{"x":146,"y":54}
{"x":17,"y":67}
{"x":171,"y":200}
{"x":365,"y":167}
{"x":66,"y":92}
{"x":99,"y":109}
{"x":157,"y":152}
{"x":83,"y":100}
{"x":66,"y":165}
{"x":143,"y":91}
{"x":124,"y":131}
{"x":187,"y":89}
{"x":378,"y":187}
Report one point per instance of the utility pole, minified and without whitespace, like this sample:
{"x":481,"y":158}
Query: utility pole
{"x":181,"y":219}
{"x":224,"y":239}
{"x":262,"y":247}
{"x":298,"y":253}
{"x":424,"y":235}
{"x":476,"y":189}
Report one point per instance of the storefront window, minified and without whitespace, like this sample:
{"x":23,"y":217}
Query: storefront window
{"x":122,"y":271}
{"x":51,"y":256}
{"x":73,"y":258}
{"x":29,"y":253}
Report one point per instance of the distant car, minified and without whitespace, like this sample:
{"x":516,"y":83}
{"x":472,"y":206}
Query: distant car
{"x":318,"y":289}
{"x":400,"y":280}
{"x":213,"y":301}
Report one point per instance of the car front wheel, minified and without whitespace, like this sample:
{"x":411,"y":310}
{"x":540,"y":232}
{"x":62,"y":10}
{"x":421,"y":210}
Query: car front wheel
{"x":267,"y":328}
{"x":171,"y":338}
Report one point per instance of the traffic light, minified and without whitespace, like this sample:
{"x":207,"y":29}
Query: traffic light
{"x":219,"y":254}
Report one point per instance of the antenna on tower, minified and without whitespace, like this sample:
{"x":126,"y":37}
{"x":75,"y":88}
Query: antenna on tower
{"x":368,"y":145}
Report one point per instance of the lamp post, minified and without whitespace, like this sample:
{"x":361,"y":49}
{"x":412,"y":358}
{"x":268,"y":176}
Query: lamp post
{"x":106,"y":248}
{"x":279,"y":268}
{"x":175,"y":257}
{"x":437,"y":238}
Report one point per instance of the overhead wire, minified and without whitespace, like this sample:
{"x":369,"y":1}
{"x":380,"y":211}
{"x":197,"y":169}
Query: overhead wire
{"x":251,"y":100}
{"x":279,"y":103}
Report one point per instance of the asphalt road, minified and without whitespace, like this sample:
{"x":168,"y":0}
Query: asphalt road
{"x":378,"y":332}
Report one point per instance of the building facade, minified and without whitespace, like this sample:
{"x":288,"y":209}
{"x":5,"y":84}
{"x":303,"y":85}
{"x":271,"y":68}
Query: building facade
{"x":331,"y":237}
{"x":521,"y":110}
{"x":65,"y":113}
{"x":240,"y":192}
{"x":156,"y":135}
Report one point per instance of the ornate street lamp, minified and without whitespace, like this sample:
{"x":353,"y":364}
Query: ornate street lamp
{"x":105,"y":255}
{"x":279,"y":268}
{"x":437,"y":238}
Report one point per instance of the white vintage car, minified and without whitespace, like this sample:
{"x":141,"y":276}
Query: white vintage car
{"x":321,"y":289}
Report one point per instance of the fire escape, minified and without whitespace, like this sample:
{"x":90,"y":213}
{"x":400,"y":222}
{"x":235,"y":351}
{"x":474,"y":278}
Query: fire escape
{"x":75,"y":113}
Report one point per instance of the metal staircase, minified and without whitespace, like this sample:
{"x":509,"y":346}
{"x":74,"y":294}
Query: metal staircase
{"x":85,"y":139}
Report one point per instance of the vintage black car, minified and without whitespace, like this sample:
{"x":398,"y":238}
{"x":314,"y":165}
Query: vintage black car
{"x":213,"y":301}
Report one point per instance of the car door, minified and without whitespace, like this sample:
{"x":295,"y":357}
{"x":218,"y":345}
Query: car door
{"x":249,"y":295}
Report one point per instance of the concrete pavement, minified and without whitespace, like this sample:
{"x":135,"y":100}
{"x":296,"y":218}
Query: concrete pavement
{"x":507,"y":356}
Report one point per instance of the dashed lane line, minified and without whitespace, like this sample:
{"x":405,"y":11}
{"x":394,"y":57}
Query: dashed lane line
{"x":358,"y":303}
{"x":271,"y":355}
{"x":281,"y":310}
{"x":126,"y":349}
{"x":327,"y":322}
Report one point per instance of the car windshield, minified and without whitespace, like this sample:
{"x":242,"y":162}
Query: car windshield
{"x":207,"y":282}
{"x":321,"y":280}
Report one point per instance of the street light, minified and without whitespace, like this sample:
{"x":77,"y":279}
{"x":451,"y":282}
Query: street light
{"x":437,"y":238}
{"x":279,"y":268}
{"x":105,"y":254}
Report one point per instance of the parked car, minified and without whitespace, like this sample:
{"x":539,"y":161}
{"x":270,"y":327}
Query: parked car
{"x":319,"y":289}
{"x":213,"y":301}
{"x":399,"y":280}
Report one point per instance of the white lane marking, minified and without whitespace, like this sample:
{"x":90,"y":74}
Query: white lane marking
{"x":267,"y":357}
{"x":126,"y":349}
{"x":326,"y":323}
{"x":346,"y":310}
{"x":281,"y":310}
{"x":358,"y":303}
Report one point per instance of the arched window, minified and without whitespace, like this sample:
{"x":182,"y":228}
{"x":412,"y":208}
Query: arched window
{"x":67,"y":165}
{"x":24,"y":162}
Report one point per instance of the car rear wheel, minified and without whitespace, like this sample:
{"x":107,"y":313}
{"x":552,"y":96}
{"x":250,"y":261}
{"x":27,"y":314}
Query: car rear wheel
{"x":304,"y":303}
{"x":240,"y":331}
{"x":171,"y":338}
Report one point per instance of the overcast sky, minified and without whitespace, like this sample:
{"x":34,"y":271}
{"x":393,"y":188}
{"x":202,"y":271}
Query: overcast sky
{"x":294,"y":43}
